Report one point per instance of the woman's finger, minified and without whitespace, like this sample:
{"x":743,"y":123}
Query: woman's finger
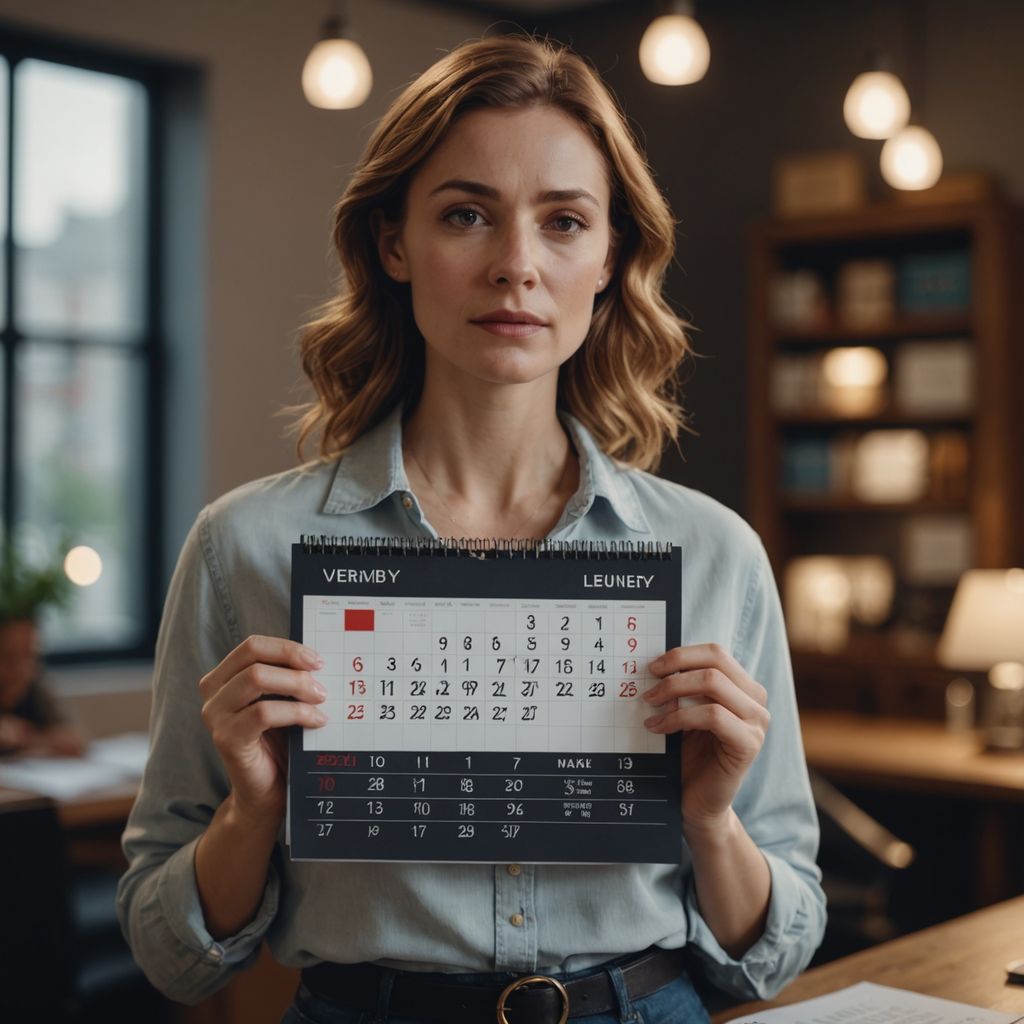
{"x":260,"y":681}
{"x":708,"y":683}
{"x":713,"y":718}
{"x":697,"y":656}
{"x":254,"y":649}
{"x":246,"y":727}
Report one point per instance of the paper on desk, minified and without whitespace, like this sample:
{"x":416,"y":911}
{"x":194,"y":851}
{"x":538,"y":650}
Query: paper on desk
{"x":867,"y":1003}
{"x":111,"y":762}
{"x":62,"y":778}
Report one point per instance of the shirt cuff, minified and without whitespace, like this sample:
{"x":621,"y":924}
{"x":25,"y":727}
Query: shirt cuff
{"x":179,"y":899}
{"x":756,"y":974}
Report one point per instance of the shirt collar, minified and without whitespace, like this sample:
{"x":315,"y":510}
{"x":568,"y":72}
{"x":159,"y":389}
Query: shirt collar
{"x":371,"y":469}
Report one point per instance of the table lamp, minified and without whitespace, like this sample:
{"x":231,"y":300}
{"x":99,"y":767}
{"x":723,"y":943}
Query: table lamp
{"x":985,"y":632}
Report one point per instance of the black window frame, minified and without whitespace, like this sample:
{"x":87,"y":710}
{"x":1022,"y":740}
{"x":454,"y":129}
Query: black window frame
{"x":155,"y":76}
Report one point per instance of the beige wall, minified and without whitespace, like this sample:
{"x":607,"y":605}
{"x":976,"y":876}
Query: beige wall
{"x":275,"y":167}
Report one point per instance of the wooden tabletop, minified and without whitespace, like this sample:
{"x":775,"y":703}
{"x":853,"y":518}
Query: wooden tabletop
{"x":964,"y":960}
{"x":102,"y":807}
{"x":909,"y":754}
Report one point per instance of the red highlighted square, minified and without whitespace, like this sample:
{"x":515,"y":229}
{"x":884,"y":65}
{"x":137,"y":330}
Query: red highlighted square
{"x":359,"y":619}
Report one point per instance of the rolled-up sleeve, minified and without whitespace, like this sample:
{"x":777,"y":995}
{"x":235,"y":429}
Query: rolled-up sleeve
{"x":777,"y":809}
{"x":183,"y":784}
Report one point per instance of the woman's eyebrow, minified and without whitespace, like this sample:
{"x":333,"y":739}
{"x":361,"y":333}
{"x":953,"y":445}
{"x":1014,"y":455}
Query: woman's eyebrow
{"x":564,"y":195}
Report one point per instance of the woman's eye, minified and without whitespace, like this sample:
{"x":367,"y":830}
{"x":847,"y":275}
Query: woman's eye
{"x":462,"y":213}
{"x":580,"y":224}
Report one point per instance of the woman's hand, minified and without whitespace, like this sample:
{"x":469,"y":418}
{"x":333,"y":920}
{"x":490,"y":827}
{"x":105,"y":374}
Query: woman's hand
{"x":248,"y":729}
{"x":724,"y":719}
{"x":16,"y":733}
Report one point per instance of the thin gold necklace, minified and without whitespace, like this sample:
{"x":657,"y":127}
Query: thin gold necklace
{"x":526,"y":522}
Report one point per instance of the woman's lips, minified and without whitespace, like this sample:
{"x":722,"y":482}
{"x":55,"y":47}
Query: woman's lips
{"x":509,"y":330}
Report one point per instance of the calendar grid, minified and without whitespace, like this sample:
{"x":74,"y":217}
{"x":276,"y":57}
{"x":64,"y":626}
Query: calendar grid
{"x":513,"y":675}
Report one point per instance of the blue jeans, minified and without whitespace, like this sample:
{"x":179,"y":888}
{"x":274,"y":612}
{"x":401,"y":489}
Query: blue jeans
{"x":675,"y":1003}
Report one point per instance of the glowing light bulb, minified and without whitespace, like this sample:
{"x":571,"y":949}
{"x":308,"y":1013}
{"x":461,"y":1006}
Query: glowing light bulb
{"x":876,"y":105}
{"x":674,"y":50}
{"x":855,"y":367}
{"x":912,"y":159}
{"x":336,"y":75}
{"x":83,"y":565}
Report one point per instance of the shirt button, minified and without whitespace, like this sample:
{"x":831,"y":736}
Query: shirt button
{"x":406,"y":501}
{"x":514,"y":869}
{"x":517,"y":920}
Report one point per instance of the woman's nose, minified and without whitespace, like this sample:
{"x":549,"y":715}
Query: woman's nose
{"x":515,"y":259}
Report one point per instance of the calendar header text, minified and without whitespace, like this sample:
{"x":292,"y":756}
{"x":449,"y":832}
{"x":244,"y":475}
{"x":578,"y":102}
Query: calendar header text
{"x":616,"y":580}
{"x":362,"y":575}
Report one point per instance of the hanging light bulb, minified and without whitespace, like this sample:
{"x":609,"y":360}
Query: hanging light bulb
{"x":674,"y":49}
{"x":912,"y":159}
{"x":336,"y":75}
{"x":876,"y":105}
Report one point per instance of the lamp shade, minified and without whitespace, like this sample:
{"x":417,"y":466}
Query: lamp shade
{"x":985,"y":625}
{"x":911,"y":159}
{"x":337,"y":75}
{"x":876,"y":105}
{"x":674,"y":50}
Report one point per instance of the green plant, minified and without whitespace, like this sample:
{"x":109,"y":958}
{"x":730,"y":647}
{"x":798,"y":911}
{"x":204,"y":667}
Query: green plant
{"x":25,"y":588}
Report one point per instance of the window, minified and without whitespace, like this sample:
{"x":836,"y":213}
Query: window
{"x":79,"y":394}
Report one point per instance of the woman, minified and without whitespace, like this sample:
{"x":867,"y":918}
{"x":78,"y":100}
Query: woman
{"x":499,"y":363}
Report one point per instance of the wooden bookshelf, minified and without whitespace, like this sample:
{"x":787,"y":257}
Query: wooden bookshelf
{"x":794,"y":524}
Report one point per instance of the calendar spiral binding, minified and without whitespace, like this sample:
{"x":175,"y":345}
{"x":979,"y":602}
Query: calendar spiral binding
{"x":496,"y":548}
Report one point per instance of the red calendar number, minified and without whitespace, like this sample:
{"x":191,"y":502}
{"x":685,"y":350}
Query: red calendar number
{"x":357,"y":664}
{"x":356,"y":712}
{"x":357,"y":686}
{"x":631,"y":622}
{"x":627,"y":689}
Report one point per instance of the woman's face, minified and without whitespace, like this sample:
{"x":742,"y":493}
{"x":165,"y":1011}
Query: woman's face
{"x":481,"y":233}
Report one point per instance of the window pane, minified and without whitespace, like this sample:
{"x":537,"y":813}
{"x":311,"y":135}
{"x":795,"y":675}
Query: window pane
{"x":79,"y":202}
{"x":4,"y":76}
{"x":80,"y":468}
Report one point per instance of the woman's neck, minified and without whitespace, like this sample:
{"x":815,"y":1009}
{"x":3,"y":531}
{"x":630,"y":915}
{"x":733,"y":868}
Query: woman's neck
{"x":490,"y":461}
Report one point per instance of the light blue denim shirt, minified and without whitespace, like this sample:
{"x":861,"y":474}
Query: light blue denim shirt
{"x":232,"y":580}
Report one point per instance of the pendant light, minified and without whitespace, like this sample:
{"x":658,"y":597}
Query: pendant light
{"x":336,"y":75}
{"x":876,"y":105}
{"x":674,"y":49}
{"x":912,"y":160}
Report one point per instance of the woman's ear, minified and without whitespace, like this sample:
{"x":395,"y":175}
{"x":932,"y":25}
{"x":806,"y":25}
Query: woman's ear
{"x":388,"y":235}
{"x":609,"y":263}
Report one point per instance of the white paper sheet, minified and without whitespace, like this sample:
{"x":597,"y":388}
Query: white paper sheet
{"x":867,"y":1003}
{"x":62,"y":778}
{"x":113,"y":762}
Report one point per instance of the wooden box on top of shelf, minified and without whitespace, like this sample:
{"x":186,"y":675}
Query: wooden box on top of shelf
{"x":889,"y":666}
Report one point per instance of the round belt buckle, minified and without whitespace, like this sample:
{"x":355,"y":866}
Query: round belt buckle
{"x":520,"y":982}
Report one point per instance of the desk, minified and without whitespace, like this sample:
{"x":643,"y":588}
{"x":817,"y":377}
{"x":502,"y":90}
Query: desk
{"x":908,"y":754}
{"x":92,"y":824}
{"x":915,"y":756}
{"x":963,"y":959}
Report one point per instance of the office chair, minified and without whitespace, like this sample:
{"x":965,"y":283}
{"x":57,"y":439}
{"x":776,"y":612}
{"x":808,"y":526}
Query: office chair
{"x":860,"y":860}
{"x":62,"y":955}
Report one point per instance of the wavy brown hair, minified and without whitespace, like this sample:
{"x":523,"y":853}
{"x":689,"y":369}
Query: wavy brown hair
{"x":363,"y":352}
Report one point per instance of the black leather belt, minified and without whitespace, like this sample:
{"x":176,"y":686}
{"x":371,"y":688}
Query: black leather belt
{"x":529,"y":999}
